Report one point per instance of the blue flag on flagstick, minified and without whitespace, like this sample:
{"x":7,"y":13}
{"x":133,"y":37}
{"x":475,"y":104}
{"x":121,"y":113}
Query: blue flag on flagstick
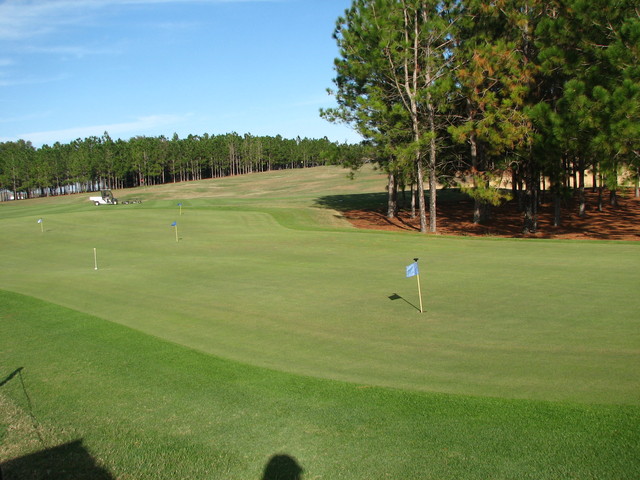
{"x":173,"y":224}
{"x":412,"y":270}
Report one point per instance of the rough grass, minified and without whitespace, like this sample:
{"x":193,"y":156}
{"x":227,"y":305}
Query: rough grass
{"x":211,"y":354}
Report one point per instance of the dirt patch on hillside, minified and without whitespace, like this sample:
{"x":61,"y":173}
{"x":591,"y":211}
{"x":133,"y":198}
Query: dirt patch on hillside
{"x":455,"y":218}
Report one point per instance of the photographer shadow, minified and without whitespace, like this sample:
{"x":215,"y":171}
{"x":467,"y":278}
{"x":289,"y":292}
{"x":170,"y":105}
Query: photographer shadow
{"x":282,"y":467}
{"x":69,"y":461}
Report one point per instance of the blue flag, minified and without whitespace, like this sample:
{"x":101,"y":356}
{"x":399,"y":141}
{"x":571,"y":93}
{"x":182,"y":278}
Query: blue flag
{"x":179,"y":204}
{"x":412,"y":270}
{"x":174,"y":224}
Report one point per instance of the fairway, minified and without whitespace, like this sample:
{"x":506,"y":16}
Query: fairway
{"x":269,"y":303}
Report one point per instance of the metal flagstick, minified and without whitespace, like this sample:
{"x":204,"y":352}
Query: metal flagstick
{"x":95,"y":259}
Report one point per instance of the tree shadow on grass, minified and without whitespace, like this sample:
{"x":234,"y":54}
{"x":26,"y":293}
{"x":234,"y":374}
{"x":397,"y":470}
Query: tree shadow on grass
{"x":69,"y":461}
{"x":374,"y":204}
{"x":377,"y":202}
{"x":282,"y":467}
{"x":357,"y":201}
{"x":455,"y":216}
{"x":370,"y":209}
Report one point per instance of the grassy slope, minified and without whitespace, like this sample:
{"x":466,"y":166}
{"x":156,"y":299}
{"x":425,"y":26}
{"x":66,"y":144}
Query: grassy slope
{"x":514,"y":319}
{"x":153,"y":409}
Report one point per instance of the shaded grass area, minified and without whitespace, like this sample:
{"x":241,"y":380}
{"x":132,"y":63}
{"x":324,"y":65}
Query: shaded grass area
{"x":146,"y":408}
{"x":377,"y":201}
{"x":455,"y":213}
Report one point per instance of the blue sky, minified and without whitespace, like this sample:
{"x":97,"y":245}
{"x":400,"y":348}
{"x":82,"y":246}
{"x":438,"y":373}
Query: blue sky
{"x":76,"y":68}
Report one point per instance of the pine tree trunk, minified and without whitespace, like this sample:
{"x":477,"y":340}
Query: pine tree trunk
{"x":413,"y":201}
{"x":392,"y":191}
{"x":477,"y":208}
{"x":421,"y":202}
{"x":557,"y":205}
{"x":531,"y":202}
{"x":433,"y":174}
{"x":433,"y":193}
{"x":600,"y":191}
{"x":477,"y":211}
{"x":582,"y":202}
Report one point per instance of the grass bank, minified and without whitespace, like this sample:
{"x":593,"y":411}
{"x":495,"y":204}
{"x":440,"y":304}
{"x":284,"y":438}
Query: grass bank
{"x":146,"y":408}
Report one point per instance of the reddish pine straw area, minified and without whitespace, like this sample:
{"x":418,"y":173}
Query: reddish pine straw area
{"x":455,"y":218}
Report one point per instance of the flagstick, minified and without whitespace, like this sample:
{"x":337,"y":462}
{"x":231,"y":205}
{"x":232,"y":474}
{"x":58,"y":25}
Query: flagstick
{"x":176,"y":233}
{"x":95,"y":259}
{"x":180,"y":209}
{"x":419,"y":292}
{"x":418,"y":279}
{"x":42,"y":227}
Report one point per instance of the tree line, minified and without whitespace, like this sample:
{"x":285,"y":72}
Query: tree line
{"x":94,"y":163}
{"x":537,"y":94}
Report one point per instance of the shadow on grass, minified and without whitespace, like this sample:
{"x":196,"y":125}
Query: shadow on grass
{"x":282,"y":467}
{"x":455,"y":216}
{"x":69,"y":461}
{"x":377,"y":202}
{"x":11,"y":375}
{"x":395,"y":296}
{"x":371,"y":208}
{"x":357,"y":201}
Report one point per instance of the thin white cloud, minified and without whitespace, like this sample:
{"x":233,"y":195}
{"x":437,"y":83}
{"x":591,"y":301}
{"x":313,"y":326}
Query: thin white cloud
{"x":21,"y":19}
{"x":140,"y":126}
{"x":25,"y":118}
{"x":6,"y":81}
{"x":74,"y":50}
{"x":24,"y":19}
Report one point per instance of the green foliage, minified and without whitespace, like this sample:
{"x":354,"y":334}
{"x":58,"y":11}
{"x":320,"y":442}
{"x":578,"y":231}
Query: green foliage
{"x":523,"y":87}
{"x":93,"y":163}
{"x":483,"y":191}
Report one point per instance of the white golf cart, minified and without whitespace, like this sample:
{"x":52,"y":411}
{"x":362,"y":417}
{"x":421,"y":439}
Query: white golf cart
{"x":105,"y":198}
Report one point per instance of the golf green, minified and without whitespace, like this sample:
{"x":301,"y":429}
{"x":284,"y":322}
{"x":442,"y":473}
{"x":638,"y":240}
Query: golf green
{"x":263,"y":286}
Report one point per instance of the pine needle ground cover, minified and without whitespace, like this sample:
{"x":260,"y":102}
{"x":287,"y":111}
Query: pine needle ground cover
{"x":273,"y":328}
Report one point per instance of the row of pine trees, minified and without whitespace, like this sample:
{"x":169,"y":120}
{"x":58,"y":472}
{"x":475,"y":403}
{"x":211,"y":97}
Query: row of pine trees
{"x":94,"y":163}
{"x":529,"y":90}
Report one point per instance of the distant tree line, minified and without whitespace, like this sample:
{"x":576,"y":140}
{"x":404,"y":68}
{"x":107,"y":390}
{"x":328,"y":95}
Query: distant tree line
{"x":539,"y":92}
{"x":94,"y":163}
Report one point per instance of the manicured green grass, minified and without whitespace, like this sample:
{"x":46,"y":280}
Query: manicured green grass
{"x":273,"y":326}
{"x":147,"y":408}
